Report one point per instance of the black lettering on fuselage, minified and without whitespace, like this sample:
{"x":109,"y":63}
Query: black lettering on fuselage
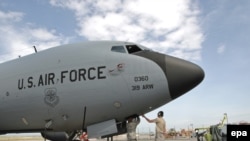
{"x":63,"y":75}
{"x":82,"y":73}
{"x":148,"y":86}
{"x":51,"y":77}
{"x":73,"y":75}
{"x":90,"y":70}
{"x":30,"y":82}
{"x":44,"y":80}
{"x":20,"y":84}
{"x":100,"y":72}
{"x":40,"y":81}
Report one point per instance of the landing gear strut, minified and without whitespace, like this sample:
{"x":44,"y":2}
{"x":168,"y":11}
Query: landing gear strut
{"x":110,"y":138}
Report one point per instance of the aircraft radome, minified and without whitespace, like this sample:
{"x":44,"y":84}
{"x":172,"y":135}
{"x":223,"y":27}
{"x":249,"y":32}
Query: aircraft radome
{"x":93,"y":86}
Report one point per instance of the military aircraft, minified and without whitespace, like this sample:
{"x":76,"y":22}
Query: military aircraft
{"x":93,"y":86}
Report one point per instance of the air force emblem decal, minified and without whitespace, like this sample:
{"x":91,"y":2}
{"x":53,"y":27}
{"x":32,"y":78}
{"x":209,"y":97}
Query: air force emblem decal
{"x":51,"y":98}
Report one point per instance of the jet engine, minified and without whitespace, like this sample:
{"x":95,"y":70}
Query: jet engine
{"x":55,"y":136}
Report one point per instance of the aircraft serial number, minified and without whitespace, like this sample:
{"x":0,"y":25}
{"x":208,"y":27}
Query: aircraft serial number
{"x":140,"y":78}
{"x":139,"y":87}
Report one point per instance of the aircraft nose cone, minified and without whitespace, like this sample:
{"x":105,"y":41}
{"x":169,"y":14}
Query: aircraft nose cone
{"x":182,"y":75}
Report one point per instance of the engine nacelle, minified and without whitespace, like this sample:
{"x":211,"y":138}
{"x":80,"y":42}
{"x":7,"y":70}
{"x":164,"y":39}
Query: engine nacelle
{"x":55,"y":136}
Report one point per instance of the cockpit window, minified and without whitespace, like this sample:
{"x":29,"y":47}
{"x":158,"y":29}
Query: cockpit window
{"x":120,"y":49}
{"x":133,"y":48}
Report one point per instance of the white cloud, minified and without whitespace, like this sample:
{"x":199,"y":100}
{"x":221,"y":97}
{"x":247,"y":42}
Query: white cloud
{"x":221,"y":49}
{"x":170,"y":27}
{"x":166,"y":26}
{"x":19,"y":40}
{"x":10,"y":16}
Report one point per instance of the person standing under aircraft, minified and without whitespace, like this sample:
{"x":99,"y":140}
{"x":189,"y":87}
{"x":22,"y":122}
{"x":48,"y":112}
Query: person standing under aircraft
{"x":131,"y":127}
{"x":84,"y":136}
{"x":160,"y":129}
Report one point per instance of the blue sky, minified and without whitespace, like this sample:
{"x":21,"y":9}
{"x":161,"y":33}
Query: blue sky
{"x":213,"y":34}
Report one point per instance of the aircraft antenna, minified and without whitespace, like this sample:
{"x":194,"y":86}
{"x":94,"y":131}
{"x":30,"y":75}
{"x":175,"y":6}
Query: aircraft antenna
{"x":35,"y":49}
{"x":84,"y":117}
{"x":73,"y":134}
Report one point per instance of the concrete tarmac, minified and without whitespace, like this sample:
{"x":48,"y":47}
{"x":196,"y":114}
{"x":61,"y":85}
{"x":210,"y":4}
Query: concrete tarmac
{"x":21,"y":138}
{"x":39,"y":138}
